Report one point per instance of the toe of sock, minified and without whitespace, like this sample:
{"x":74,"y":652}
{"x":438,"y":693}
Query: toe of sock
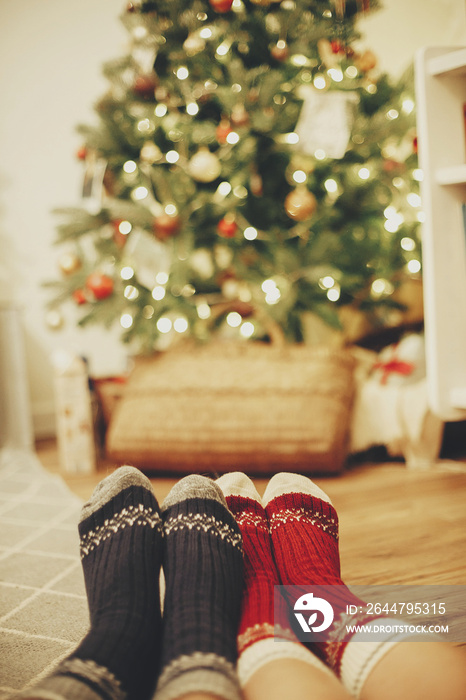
{"x":194,"y":486}
{"x":238,"y":484}
{"x":112,"y":485}
{"x":286,"y":482}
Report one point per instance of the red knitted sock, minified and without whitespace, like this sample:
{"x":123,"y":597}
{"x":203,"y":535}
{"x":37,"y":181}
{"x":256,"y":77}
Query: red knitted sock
{"x":259,"y":629}
{"x":304,"y":532}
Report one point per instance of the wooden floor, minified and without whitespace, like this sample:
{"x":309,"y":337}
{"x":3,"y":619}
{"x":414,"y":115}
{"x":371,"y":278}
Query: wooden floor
{"x":396,"y":526}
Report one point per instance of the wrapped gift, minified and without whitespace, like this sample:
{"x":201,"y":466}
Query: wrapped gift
{"x":391,"y":404}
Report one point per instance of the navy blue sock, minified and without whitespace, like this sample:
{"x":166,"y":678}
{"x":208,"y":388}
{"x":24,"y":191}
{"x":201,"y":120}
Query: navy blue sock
{"x":203,"y":564}
{"x":121,"y":537}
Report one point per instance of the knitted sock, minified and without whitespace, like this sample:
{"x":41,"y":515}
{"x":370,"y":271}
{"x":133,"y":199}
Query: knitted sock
{"x":203,"y":573}
{"x":304,"y":532}
{"x":259,"y":629}
{"x":121,"y":546}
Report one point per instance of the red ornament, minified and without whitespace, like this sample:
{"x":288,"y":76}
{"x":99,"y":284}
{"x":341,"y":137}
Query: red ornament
{"x":166,"y":225}
{"x":221,"y":5}
{"x":227,"y":227}
{"x":389,"y":165}
{"x":280,"y":51}
{"x":144,"y":86}
{"x":100,"y":285}
{"x":415,"y":144}
{"x":81,"y":153}
{"x":79,"y":297}
{"x":337,"y":46}
{"x":222,"y":131}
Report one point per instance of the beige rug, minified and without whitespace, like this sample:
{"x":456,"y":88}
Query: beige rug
{"x":43,"y":608}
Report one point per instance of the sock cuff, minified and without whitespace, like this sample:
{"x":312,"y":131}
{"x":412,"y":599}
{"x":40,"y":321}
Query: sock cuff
{"x":270,"y":650}
{"x":111,"y":486}
{"x":286,"y":482}
{"x":75,"y":679}
{"x":198,"y":673}
{"x":193,"y":486}
{"x":360,"y":657}
{"x":238,"y":484}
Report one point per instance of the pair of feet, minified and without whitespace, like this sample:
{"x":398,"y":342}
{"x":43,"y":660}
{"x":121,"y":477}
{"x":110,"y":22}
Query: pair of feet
{"x":223,"y":551}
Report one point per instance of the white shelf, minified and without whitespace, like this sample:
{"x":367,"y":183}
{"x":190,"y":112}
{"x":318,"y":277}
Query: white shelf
{"x":440,"y":98}
{"x":451,"y":175}
{"x":453,"y":62}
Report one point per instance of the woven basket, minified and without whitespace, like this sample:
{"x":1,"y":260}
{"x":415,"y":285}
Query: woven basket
{"x":228,"y":406}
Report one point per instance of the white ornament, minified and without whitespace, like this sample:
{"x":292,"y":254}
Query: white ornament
{"x":204,"y":166}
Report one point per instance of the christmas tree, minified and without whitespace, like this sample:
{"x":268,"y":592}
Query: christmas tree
{"x":250,"y":171}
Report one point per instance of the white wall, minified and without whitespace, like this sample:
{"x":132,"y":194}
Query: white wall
{"x":51,"y":53}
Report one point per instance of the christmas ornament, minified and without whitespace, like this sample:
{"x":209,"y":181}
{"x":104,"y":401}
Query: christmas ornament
{"x":366,"y":61}
{"x":150,"y":152}
{"x":239,"y":116}
{"x":222,"y":131}
{"x":166,"y":225}
{"x":130,"y":7}
{"x":144,"y":86}
{"x":337,"y":46}
{"x":300,"y":204}
{"x":79,"y":297}
{"x":69,"y":263}
{"x":193,"y":44}
{"x":204,"y":166}
{"x":280,"y":51}
{"x":81,"y":153}
{"x":221,"y":5}
{"x":227,"y":226}
{"x":100,"y":285}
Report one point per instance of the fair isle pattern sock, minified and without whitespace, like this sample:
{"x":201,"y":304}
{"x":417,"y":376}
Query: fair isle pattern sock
{"x":304,"y":530}
{"x":121,"y":548}
{"x":203,"y":574}
{"x":261,"y":637}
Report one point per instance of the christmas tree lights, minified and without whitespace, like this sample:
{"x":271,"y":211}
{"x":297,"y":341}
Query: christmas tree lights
{"x":250,"y":170}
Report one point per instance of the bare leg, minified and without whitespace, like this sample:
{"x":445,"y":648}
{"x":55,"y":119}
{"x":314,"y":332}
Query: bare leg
{"x":292,"y":678}
{"x":418,"y":671}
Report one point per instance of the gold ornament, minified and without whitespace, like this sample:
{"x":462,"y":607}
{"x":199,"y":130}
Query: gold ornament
{"x":204,"y":166}
{"x":193,"y":44}
{"x":69,"y":263}
{"x":300,"y":204}
{"x":150,"y":152}
{"x":366,"y":61}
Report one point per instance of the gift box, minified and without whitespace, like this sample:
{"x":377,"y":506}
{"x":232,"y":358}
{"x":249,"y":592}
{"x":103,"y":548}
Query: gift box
{"x":236,"y":406}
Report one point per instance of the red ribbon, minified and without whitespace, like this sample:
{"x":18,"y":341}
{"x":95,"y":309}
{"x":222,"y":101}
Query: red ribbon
{"x":396,"y":366}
